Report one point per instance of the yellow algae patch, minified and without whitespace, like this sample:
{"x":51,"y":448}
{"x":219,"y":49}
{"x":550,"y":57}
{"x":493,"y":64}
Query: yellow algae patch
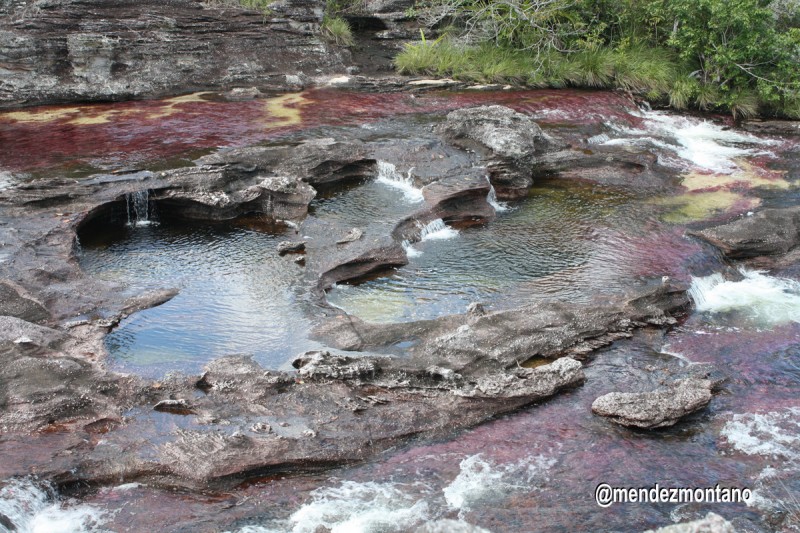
{"x":536,"y":361}
{"x":285,"y":110}
{"x":374,"y":306}
{"x":48,"y":115}
{"x":696,"y":206}
{"x":98,"y":118}
{"x":170,"y":105}
{"x":749,"y":176}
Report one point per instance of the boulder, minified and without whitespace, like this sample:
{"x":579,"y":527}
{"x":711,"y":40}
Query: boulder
{"x":506,"y":140}
{"x":659,"y":408}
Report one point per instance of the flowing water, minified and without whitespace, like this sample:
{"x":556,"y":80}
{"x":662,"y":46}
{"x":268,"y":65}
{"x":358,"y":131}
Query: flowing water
{"x":574,"y":240}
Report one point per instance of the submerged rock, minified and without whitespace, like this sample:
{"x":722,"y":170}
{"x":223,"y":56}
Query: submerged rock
{"x":655,"y":409}
{"x":450,"y":526}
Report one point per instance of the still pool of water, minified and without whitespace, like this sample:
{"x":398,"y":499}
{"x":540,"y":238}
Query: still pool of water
{"x":567,"y":241}
{"x":236,"y":296}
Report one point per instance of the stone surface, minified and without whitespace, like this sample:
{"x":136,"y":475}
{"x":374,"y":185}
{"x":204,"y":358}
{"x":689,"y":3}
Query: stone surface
{"x":507,"y":141}
{"x":660,"y":408}
{"x":16,"y":305}
{"x":764,"y":233}
{"x":69,"y":50}
{"x":291,"y":247}
{"x":334,"y":407}
{"x":319,"y":162}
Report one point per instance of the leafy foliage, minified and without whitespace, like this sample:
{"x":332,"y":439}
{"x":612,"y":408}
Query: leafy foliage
{"x":739,"y":55}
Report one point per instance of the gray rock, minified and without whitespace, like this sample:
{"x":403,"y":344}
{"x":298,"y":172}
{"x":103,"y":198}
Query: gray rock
{"x":111,"y":50}
{"x":767,"y":232}
{"x":175,"y":406}
{"x":712,"y":523}
{"x":660,"y":408}
{"x":19,"y":331}
{"x":507,"y":141}
{"x":323,"y":364}
{"x":351,"y":236}
{"x":539,"y":382}
{"x":291,"y":247}
{"x":16,"y":305}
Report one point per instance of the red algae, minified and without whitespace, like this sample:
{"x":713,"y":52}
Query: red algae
{"x":119,"y":135}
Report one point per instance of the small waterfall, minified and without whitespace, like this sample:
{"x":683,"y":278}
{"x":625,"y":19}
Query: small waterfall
{"x":77,"y":248}
{"x":436,"y":230}
{"x":138,"y":208}
{"x":410,"y":250}
{"x":30,"y":507}
{"x":492,"y":199}
{"x":766,"y":299}
{"x":388,"y":175}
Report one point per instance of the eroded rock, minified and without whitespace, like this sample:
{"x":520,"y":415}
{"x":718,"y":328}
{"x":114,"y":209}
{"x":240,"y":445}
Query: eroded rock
{"x":122,"y":50}
{"x":660,"y":408}
{"x":507,"y":141}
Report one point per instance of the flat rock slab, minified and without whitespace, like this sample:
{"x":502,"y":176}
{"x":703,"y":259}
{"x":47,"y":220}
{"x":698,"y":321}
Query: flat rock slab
{"x":765,"y":233}
{"x":660,"y":408}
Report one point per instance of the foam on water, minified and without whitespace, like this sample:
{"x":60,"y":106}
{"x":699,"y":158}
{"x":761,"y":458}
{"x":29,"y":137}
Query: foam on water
{"x":701,"y":143}
{"x":775,"y":434}
{"x":34,"y":509}
{"x":372,"y":507}
{"x":6,"y":179}
{"x":410,"y":250}
{"x":353,"y":507}
{"x":766,"y":299}
{"x":437,"y":230}
{"x":479,"y":480}
{"x":388,"y":175}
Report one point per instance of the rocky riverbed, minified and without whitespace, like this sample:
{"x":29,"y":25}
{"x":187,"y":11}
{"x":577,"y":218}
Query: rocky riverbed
{"x":492,"y":280}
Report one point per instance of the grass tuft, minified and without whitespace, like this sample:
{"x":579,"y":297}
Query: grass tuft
{"x":337,"y":31}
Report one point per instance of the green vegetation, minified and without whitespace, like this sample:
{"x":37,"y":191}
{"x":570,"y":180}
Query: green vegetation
{"x":742,"y":56}
{"x":337,"y":30}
